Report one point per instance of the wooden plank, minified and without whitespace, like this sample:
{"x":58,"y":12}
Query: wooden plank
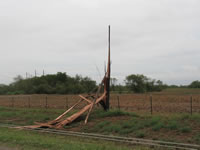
{"x":68,"y":110}
{"x":76,"y":115}
{"x":62,"y":115}
{"x":89,"y":101}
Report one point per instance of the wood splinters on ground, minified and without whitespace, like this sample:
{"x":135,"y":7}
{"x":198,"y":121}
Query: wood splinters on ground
{"x":92,"y":100}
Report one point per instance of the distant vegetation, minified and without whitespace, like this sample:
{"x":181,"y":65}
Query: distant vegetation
{"x":139,"y":83}
{"x":195,"y":84}
{"x":61,"y":83}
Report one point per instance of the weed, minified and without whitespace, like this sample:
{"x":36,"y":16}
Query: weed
{"x":158,"y":126}
{"x":112,"y":113}
{"x":172,"y":125}
{"x":128,"y":124}
{"x":112,"y":128}
{"x":139,"y":134}
{"x":184,"y":117}
{"x":185,"y":129}
{"x":126,"y":131}
{"x":195,"y":117}
{"x":197,"y":138}
{"x":100,"y":125}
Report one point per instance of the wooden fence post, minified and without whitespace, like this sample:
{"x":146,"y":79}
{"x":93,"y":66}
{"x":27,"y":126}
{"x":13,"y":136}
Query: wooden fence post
{"x":151,"y":99}
{"x":191,"y":98}
{"x":66,"y":103}
{"x":29,"y":103}
{"x":46,"y":105}
{"x":118,"y":102}
{"x":13,"y":101}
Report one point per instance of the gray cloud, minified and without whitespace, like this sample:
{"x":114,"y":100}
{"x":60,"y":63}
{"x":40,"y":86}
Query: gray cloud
{"x":160,"y":39}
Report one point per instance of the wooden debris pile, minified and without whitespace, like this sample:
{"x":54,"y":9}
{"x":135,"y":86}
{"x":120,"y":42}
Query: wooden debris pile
{"x":91,"y":99}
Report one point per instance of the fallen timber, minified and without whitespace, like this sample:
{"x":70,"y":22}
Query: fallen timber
{"x":128,"y":140}
{"x":91,"y":100}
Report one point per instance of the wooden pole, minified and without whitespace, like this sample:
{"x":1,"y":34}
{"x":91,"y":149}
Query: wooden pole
{"x":118,"y":102}
{"x":29,"y":103}
{"x":191,"y":98}
{"x":13,"y":101}
{"x":151,"y":104}
{"x":66,"y":103}
{"x":108,"y":74}
{"x":46,"y":106}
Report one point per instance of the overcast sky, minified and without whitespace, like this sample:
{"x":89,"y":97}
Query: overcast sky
{"x":157,"y":38}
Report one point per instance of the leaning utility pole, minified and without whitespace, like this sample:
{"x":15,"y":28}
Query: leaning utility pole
{"x":108,"y":74}
{"x":90,"y":99}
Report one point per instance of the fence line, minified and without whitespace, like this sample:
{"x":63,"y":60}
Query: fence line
{"x":130,"y":102}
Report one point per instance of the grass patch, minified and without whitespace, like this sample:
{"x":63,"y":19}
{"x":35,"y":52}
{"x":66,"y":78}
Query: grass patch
{"x":185,"y":129}
{"x":112,"y":113}
{"x":112,"y":122}
{"x":32,"y":141}
{"x":158,"y":126}
{"x":140,"y":134}
{"x":195,"y":117}
{"x":197,"y":138}
{"x":172,"y":125}
{"x":26,"y":116}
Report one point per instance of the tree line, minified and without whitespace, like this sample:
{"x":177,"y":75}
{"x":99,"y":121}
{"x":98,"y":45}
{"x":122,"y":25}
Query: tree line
{"x":61,"y":83}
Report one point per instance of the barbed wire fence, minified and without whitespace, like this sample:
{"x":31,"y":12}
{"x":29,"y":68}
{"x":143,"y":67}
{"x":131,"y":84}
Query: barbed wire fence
{"x":142,"y":103}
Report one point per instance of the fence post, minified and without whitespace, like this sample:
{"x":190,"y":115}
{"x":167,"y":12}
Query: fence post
{"x":118,"y":102}
{"x":191,"y":98}
{"x":151,"y":99}
{"x":66,"y":103}
{"x":29,"y":103}
{"x":46,"y":105}
{"x":13,"y":101}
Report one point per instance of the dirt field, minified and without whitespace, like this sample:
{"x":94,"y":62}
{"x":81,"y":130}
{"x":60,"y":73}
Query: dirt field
{"x":161,"y":103}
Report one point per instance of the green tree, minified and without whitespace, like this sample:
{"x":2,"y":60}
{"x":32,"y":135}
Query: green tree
{"x":139,"y":84}
{"x":136,"y":83}
{"x":59,"y":83}
{"x":195,"y":84}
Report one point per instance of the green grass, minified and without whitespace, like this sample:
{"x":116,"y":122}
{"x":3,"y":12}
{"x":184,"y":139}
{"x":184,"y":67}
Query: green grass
{"x":137,"y":124}
{"x":140,"y":134}
{"x":112,"y":122}
{"x":26,"y":116}
{"x":32,"y":141}
{"x":185,"y":129}
{"x":197,"y":138}
{"x":111,"y":113}
{"x":172,"y":125}
{"x":158,"y":126}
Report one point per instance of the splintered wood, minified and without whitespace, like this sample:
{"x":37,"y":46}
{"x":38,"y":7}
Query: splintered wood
{"x":91,"y":100}
{"x":62,"y":120}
